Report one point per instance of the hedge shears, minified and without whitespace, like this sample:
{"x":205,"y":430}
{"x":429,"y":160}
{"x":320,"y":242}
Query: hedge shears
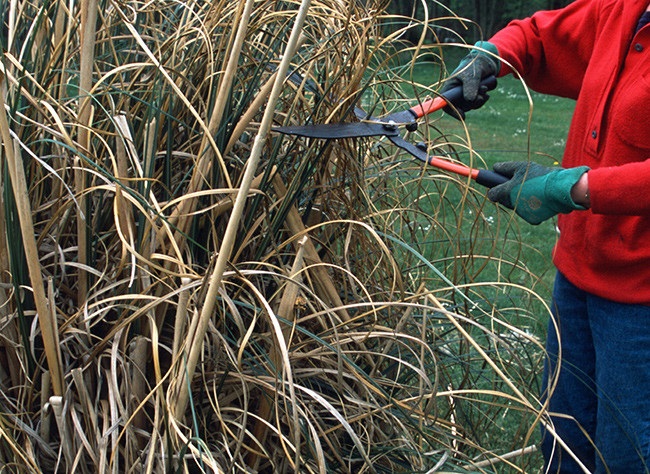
{"x":389,"y":126}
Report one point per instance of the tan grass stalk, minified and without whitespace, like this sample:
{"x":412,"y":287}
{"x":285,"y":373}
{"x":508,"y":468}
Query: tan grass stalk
{"x":102,"y":446}
{"x":123,"y":209}
{"x":286,"y":310}
{"x":323,"y":284}
{"x":206,"y":153}
{"x":11,"y":27}
{"x":82,"y":232}
{"x":116,"y":407}
{"x":86,"y":60}
{"x":4,"y":256}
{"x":46,"y":414}
{"x":196,"y":339}
{"x":504,"y":457}
{"x":149,"y":148}
{"x":139,"y":349}
{"x":59,"y":29}
{"x":21,"y":194}
{"x":67,"y":446}
{"x":180,"y":319}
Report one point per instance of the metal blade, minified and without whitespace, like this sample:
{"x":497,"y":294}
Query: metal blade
{"x":410,"y":148}
{"x":402,"y":118}
{"x":341,"y":130}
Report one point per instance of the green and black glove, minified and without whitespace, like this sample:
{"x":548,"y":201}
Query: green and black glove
{"x":480,"y":63}
{"x":535,"y":192}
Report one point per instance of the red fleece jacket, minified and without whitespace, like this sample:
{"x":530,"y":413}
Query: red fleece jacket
{"x":588,"y":51}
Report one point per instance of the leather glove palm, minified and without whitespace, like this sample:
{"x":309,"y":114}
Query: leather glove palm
{"x":535,"y":192}
{"x":473,"y":68}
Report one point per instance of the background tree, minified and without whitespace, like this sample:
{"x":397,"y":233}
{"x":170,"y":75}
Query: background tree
{"x":485,"y":16}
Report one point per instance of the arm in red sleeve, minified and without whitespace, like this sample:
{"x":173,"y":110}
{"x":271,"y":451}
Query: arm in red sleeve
{"x":551,"y":49}
{"x":621,"y":190}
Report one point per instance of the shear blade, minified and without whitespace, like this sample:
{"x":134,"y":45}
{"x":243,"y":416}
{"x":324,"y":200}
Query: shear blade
{"x":340,"y":130}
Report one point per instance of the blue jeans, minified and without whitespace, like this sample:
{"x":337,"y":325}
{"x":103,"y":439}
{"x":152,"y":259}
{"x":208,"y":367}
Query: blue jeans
{"x":603,"y":384}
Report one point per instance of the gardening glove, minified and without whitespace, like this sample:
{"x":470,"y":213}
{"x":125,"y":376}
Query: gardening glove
{"x":535,"y":192}
{"x":473,"y":68}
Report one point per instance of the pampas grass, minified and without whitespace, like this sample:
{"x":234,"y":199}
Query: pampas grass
{"x":185,"y":291}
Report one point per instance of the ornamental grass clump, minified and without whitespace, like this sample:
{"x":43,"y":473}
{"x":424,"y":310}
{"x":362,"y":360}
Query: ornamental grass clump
{"x":184,"y":290}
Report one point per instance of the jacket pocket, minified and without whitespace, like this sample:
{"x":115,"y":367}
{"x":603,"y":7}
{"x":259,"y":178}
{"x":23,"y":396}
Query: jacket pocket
{"x":629,"y":113}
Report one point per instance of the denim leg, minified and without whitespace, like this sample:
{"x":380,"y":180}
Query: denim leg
{"x":621,"y":335}
{"x":575,"y":393}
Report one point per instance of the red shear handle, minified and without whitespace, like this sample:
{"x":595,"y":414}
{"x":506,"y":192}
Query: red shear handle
{"x":448,"y":97}
{"x":486,"y":178}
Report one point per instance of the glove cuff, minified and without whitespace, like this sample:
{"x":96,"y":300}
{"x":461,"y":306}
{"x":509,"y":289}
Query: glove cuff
{"x":560,"y":187}
{"x":490,"y":51}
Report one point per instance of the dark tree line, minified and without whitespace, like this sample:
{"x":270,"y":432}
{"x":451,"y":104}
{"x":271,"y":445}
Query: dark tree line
{"x":487,"y":15}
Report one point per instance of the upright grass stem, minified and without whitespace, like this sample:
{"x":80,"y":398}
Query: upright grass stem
{"x":86,"y":60}
{"x":46,"y":315}
{"x":195,"y":345}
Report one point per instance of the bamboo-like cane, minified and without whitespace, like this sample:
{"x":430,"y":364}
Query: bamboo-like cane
{"x":195,"y":346}
{"x":21,"y":193}
{"x":86,"y":60}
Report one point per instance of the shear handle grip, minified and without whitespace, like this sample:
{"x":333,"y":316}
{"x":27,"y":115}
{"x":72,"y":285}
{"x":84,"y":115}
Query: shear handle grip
{"x":488,"y":178}
{"x":451,"y":96}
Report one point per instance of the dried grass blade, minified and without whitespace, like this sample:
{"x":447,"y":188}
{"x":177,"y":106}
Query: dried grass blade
{"x":85,"y":401}
{"x":139,"y":383}
{"x":206,"y":156}
{"x":343,"y":422}
{"x":286,"y":310}
{"x":230,"y":233}
{"x":102,"y":445}
{"x":504,"y":457}
{"x":180,"y":319}
{"x":520,"y":396}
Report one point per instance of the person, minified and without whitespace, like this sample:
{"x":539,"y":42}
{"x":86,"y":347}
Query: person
{"x":597,"y":373}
